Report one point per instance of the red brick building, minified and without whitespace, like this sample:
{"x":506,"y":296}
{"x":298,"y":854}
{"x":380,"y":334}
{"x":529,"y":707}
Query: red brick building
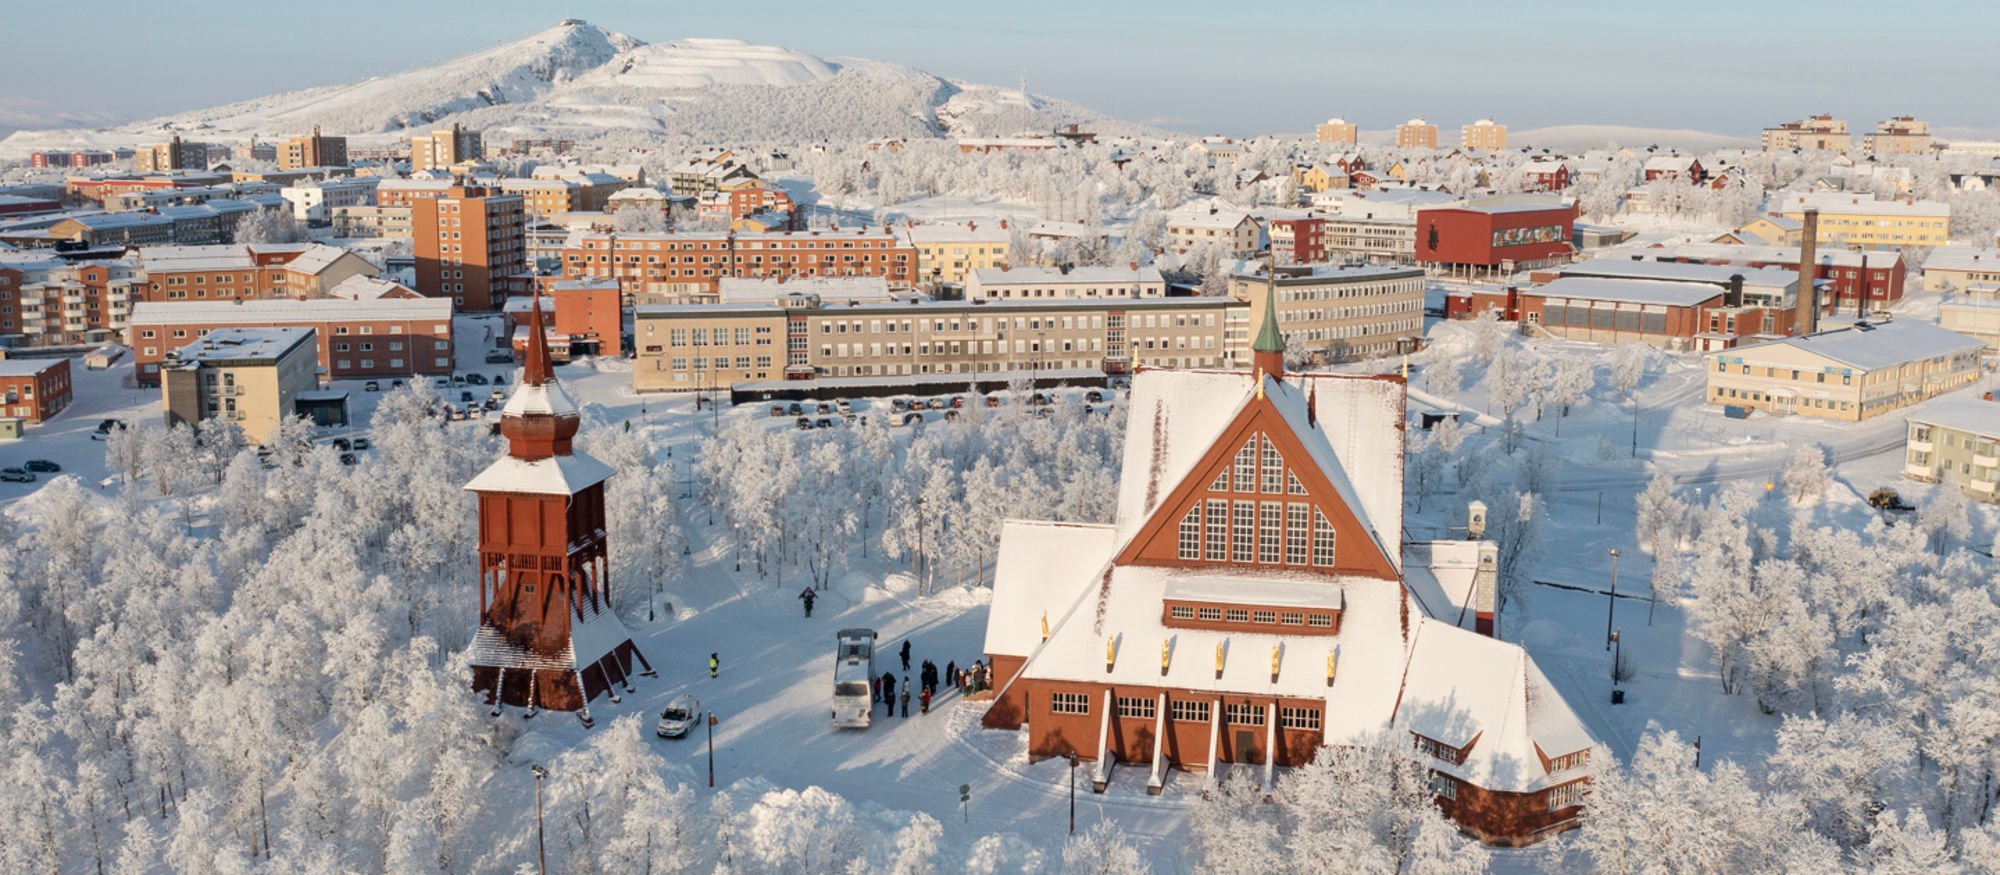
{"x":246,"y":271}
{"x":384,"y":337}
{"x":675,"y":267}
{"x":1298,"y":241}
{"x":34,"y":389}
{"x":586,"y":314}
{"x":52,"y":302}
{"x":1495,"y":235}
{"x":547,"y":636}
{"x":1246,"y":608}
{"x":471,"y":246}
{"x":1851,"y":281}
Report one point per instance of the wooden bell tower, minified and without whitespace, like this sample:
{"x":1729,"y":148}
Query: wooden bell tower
{"x":547,"y":636}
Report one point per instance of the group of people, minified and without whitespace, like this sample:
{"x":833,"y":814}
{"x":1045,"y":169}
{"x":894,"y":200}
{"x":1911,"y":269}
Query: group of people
{"x":970,"y":679}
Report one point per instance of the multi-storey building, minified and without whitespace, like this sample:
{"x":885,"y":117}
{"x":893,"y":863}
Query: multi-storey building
{"x":100,"y":230}
{"x":470,"y":246}
{"x":1338,"y":130}
{"x":171,"y":155}
{"x":744,"y":201}
{"x":313,"y":203}
{"x":1298,"y":240}
{"x":53,"y":302}
{"x":711,"y":172}
{"x":33,"y":390}
{"x":1849,"y":281}
{"x":1956,"y":441}
{"x":694,"y":347}
{"x":1484,"y":135}
{"x":312,"y":150}
{"x":1902,"y":135}
{"x":380,"y":337}
{"x":948,"y":253}
{"x":404,"y":192}
{"x":688,"y":268}
{"x":1026,"y":283}
{"x":367,"y":220}
{"x":1862,"y":221}
{"x":1235,"y":231}
{"x":585,"y":316}
{"x":1960,"y":270}
{"x":1368,"y":238}
{"x":1496,"y":235}
{"x":445,"y":147}
{"x":246,"y":272}
{"x":1416,"y":134}
{"x":1822,"y":132}
{"x":1340,"y":313}
{"x":1850,"y":374}
{"x":249,"y":376}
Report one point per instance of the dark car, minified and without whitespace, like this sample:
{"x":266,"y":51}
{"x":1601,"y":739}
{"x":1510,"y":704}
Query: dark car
{"x":899,"y":405}
{"x":499,"y":379}
{"x":16,"y":475}
{"x":794,"y":409}
{"x":499,"y":358}
{"x":492,"y":404}
{"x":951,"y":416}
{"x":361,"y":443}
{"x":822,"y":422}
{"x":957,"y":401}
{"x":476,"y":379}
{"x":110,"y":425}
{"x":371,"y":386}
{"x":346,"y":458}
{"x":1093,"y":396}
{"x":465,"y":396}
{"x":396,"y":384}
{"x":343,"y":444}
{"x":777,"y":411}
{"x":805,"y":424}
{"x":41,"y":466}
{"x":824,"y":407}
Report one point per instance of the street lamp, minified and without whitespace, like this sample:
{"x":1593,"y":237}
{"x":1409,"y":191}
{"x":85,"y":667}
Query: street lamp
{"x":541,"y":842}
{"x":711,"y":749}
{"x":1072,"y":794}
{"x":1635,"y":426}
{"x":1611,"y":604}
{"x":1617,"y":695}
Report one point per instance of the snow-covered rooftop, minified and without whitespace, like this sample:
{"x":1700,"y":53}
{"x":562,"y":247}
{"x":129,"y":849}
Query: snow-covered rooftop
{"x":1872,"y":346}
{"x":1961,"y":413}
{"x":289,"y":310}
{"x":556,"y":475}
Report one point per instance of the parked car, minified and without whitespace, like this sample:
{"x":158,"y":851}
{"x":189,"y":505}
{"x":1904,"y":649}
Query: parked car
{"x":396,"y":383}
{"x":804,"y":424}
{"x":476,"y":379}
{"x":951,"y":416}
{"x":16,"y":475}
{"x":777,"y":411}
{"x":957,"y":401}
{"x":993,"y":401}
{"x":441,"y":383}
{"x":343,"y":444}
{"x":794,"y":409}
{"x":371,"y":386}
{"x":680,"y":715}
{"x":109,"y":425}
{"x":361,"y":443}
{"x":499,"y":379}
{"x":824,"y":407}
{"x":457,"y":380}
{"x":899,"y":405}
{"x":461,"y":413}
{"x":822,"y":422}
{"x":935,"y":404}
{"x":499,"y":358}
{"x":496,"y":395}
{"x":491,"y":404}
{"x":1093,"y":396}
{"x":346,"y":458}
{"x":42,"y":466}
{"x":844,"y":406}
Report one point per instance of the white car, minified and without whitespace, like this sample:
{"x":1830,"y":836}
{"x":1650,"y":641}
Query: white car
{"x":681,"y":714}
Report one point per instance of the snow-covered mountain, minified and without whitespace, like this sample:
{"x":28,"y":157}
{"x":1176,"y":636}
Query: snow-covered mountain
{"x":579,"y":80}
{"x":1580,"y":137}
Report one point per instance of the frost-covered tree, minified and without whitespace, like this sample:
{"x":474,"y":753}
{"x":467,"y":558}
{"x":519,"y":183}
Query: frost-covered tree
{"x":269,"y":226}
{"x":1943,"y":518}
{"x":1806,"y":477}
{"x":1102,"y":850}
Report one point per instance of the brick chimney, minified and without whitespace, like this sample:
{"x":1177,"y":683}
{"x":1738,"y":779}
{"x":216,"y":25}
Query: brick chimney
{"x":1806,"y":315}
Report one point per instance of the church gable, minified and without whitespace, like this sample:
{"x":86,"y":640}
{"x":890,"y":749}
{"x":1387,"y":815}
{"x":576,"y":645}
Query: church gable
{"x":1257,"y":500}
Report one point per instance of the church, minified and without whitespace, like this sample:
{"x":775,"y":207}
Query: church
{"x":1255,"y":599}
{"x":547,"y":635}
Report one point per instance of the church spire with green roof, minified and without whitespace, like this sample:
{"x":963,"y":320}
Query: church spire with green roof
{"x":1268,"y":352}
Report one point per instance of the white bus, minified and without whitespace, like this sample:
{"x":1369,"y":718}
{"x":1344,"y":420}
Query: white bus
{"x":854,"y":678}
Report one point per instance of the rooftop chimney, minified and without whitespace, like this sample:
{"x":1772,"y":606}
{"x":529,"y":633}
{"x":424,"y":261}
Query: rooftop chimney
{"x":1807,"y":312}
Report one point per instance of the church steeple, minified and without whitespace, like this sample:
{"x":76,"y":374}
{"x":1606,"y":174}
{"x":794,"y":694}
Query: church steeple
{"x":540,"y":419}
{"x":1268,"y":353}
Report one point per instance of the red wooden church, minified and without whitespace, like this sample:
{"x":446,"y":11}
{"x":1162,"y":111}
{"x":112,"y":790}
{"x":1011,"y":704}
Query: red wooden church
{"x":1254,"y":600}
{"x":547,"y":635}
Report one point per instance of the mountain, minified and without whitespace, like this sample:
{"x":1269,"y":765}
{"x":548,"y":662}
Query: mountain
{"x":1580,"y":137}
{"x":581,"y":81}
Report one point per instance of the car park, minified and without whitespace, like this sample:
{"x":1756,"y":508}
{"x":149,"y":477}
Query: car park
{"x":16,"y":475}
{"x":41,"y":466}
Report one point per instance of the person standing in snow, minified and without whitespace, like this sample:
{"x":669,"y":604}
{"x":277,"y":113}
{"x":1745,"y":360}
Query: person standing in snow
{"x":906,"y":696}
{"x":714,"y":665}
{"x":889,"y":692}
{"x":906,"y":655}
{"x":951,"y":673}
{"x":875,"y":689}
{"x":927,"y":700}
{"x":808,"y":596}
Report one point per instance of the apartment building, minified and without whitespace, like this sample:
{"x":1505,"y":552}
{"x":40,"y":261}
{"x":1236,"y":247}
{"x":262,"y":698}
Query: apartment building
{"x":312,"y":150}
{"x":1849,"y":281}
{"x":470,"y":246}
{"x":313,"y":202}
{"x":1340,"y":313}
{"x":545,"y":197}
{"x":1366,"y":238}
{"x":678,"y":267}
{"x":580,"y":317}
{"x":32,"y":390}
{"x":1416,"y":134}
{"x":1300,"y":240}
{"x":52,"y":302}
{"x":1901,"y":135}
{"x":368,"y":220}
{"x":1956,"y":441}
{"x":445,"y":147}
{"x":692,"y":347}
{"x":1960,"y":269}
{"x":1821,"y":132}
{"x":355,"y":339}
{"x":102,"y":230}
{"x":171,"y":155}
{"x":252,"y":377}
{"x":712,"y":172}
{"x":248,"y":272}
{"x":949,"y":252}
{"x":1484,"y":135}
{"x":1848,"y":374}
{"x":1235,"y":231}
{"x":404,"y":192}
{"x":1862,"y":221}
{"x":1028,"y":283}
{"x":1338,"y":130}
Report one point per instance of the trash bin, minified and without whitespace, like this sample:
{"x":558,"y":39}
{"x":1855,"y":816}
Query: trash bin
{"x":1617,"y":697}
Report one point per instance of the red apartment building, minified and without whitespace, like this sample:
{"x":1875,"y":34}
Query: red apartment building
{"x":676,"y":267}
{"x":586,"y":315}
{"x":1497,"y":235}
{"x":383,"y":337}
{"x":51,"y":302}
{"x":471,"y":246}
{"x":33,"y":389}
{"x":1298,"y":241}
{"x":749,"y":200}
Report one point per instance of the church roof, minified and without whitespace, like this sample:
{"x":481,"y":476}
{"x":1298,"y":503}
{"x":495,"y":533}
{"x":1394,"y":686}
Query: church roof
{"x":1269,"y":338}
{"x":556,"y":475}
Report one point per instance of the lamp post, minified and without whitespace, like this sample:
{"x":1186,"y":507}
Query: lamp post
{"x":1072,"y":794}
{"x":541,"y":843}
{"x":1611,"y":604}
{"x":711,"y":749}
{"x":1635,"y":426}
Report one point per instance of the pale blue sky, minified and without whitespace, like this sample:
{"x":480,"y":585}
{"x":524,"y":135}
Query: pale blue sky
{"x":1256,"y":65}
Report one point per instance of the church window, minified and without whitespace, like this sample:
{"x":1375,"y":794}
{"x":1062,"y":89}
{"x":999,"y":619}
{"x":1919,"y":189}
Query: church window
{"x":1292,"y":484}
{"x":1243,"y":534}
{"x":1566,"y":795}
{"x":1246,"y":467}
{"x":1141,"y":707}
{"x":1264,"y":616}
{"x":1322,"y":621}
{"x":1221,"y":483}
{"x":1069,"y":703}
{"x":1322,"y":545}
{"x":1270,"y":529}
{"x":1299,"y":718}
{"x":1243,"y":714}
{"x":1293,"y":618}
{"x":1274,"y":468}
{"x":1238,"y":615}
{"x":1183,"y":612}
{"x":1298,"y":524}
{"x":1190,"y":535}
{"x":1188,"y":711}
{"x":1217,"y":534}
{"x":1211,"y":614}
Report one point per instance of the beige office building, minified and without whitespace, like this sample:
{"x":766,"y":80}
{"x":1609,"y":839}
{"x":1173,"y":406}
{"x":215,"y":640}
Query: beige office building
{"x":1485,"y":135}
{"x":1956,"y":441}
{"x":1902,"y":135}
{"x":711,"y":346}
{"x":1417,"y":134}
{"x":1847,"y":374}
{"x":1340,"y":131}
{"x":1862,"y":221}
{"x":1822,"y":133}
{"x":1025,"y":283}
{"x":249,"y":376}
{"x":1341,"y":313}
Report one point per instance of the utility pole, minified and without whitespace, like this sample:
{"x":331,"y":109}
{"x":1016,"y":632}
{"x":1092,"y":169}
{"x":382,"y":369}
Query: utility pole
{"x":1611,"y":604}
{"x":541,"y":840}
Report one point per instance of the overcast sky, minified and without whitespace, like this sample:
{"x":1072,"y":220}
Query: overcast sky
{"x":1244,"y":67}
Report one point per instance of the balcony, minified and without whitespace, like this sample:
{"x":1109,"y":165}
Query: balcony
{"x":1980,"y":487}
{"x":1983,"y":461}
{"x":1917,"y":446}
{"x":1921,"y":473}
